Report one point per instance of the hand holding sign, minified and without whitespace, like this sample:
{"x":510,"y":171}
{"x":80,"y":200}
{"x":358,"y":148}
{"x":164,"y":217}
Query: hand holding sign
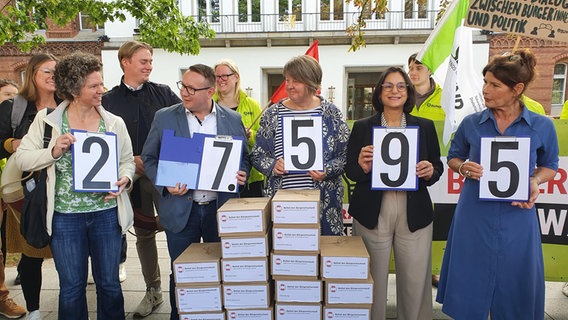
{"x":395,"y":154}
{"x":95,"y":161}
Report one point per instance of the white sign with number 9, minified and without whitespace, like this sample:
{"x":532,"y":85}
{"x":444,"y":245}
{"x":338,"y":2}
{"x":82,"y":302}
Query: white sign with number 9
{"x":395,"y":155}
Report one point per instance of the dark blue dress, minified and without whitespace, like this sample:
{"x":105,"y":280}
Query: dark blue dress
{"x":493,"y":258}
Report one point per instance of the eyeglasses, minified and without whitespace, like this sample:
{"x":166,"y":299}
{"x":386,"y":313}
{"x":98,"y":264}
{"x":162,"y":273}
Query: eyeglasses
{"x":388,"y":86}
{"x":224,"y":76}
{"x":189,"y":89}
{"x":48,"y":71}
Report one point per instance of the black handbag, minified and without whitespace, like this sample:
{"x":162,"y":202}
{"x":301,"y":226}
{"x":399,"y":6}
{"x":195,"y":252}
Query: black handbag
{"x":33,"y":219}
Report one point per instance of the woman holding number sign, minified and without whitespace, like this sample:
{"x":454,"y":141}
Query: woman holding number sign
{"x":82,"y":224}
{"x":303,"y":76}
{"x":388,"y":219}
{"x":493,"y":263}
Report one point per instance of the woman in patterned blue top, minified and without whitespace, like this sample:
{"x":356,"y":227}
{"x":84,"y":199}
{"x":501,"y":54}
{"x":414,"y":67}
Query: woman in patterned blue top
{"x":303,"y":76}
{"x":493,"y":263}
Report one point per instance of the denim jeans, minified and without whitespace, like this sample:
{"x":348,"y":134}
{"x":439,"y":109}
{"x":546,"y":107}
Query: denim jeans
{"x":75,"y":237}
{"x":202,"y":223}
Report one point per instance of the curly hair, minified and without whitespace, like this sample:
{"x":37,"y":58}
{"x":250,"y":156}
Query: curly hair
{"x":71,"y":72}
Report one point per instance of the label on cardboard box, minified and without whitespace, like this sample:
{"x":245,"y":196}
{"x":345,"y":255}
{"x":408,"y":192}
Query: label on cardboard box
{"x":291,"y":212}
{"x":349,"y":293}
{"x":298,"y":291}
{"x":203,"y":316}
{"x":244,"y":247}
{"x":294,"y":265}
{"x":347,"y":314}
{"x":297,"y":312}
{"x":250,"y":314}
{"x":296,"y":239}
{"x":240,"y":221}
{"x":199,"y":299}
{"x":246,"y":296}
{"x":345,"y":267}
{"x":245,"y":270}
{"x":197,"y":272}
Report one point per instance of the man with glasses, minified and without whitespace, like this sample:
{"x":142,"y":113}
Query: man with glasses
{"x":190,"y":215}
{"x":136,"y":100}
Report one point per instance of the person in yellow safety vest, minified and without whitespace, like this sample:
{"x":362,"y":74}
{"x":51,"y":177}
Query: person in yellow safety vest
{"x":564,"y":115}
{"x":428,"y":92}
{"x":533,"y":105}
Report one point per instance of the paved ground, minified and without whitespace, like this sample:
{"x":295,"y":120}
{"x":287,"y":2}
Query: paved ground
{"x":134,"y":289}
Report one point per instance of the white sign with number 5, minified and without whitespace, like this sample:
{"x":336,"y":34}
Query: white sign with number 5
{"x":505,"y":162}
{"x":302,"y":141}
{"x":95,"y":161}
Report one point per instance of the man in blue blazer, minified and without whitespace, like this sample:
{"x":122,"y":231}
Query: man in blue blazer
{"x":190,"y":215}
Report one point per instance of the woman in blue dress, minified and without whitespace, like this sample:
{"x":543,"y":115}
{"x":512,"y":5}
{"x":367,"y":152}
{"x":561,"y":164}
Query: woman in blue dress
{"x":493,"y":261}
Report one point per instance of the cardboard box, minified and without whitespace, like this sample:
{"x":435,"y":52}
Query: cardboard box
{"x":246,"y":296}
{"x":245,"y":247}
{"x":297,"y":311}
{"x":245,"y":270}
{"x":199,"y":298}
{"x":219,"y":315}
{"x":199,"y":263}
{"x":298,"y":291}
{"x":296,"y":239}
{"x":343,"y":292}
{"x":251,"y":314}
{"x":344,"y":258}
{"x":333,"y":313}
{"x":244,"y":216}
{"x":294,"y":264}
{"x":296,"y":207}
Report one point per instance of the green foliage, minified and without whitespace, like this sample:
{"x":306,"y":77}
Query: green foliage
{"x":161,"y":23}
{"x":378,"y":7}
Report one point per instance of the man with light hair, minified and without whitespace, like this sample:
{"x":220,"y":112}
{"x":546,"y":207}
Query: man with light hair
{"x":136,"y":99}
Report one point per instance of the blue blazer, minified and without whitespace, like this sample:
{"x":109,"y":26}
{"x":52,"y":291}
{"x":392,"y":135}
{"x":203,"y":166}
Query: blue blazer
{"x":175,"y":210}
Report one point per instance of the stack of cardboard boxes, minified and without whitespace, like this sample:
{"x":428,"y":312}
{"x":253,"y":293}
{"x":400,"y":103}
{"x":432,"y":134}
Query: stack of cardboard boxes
{"x":244,"y":226}
{"x":296,"y":242}
{"x":345,"y":270}
{"x":234,"y":280}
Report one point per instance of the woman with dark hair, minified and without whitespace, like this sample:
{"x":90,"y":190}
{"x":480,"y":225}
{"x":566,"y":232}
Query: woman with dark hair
{"x":37,"y":93}
{"x":493,"y":263}
{"x":392,"y":219}
{"x":82,"y":224}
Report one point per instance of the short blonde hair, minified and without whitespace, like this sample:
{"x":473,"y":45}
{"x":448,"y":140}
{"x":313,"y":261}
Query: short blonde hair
{"x":128,"y":49}
{"x":234,"y":69}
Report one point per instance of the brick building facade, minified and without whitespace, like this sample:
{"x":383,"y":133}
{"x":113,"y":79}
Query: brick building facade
{"x":548,"y":54}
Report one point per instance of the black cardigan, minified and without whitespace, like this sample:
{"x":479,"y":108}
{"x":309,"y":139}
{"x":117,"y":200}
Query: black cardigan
{"x":366,"y":203}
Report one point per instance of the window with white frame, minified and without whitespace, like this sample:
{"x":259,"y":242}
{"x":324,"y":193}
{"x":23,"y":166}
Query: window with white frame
{"x":368,"y":14}
{"x":249,"y":10}
{"x":559,"y":84}
{"x":290,"y":10}
{"x":414,"y":9}
{"x":86,"y":23}
{"x":331,"y":10}
{"x":208,"y":10}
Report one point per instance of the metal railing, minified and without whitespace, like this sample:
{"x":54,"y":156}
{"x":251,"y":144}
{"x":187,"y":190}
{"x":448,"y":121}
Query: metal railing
{"x":309,"y":22}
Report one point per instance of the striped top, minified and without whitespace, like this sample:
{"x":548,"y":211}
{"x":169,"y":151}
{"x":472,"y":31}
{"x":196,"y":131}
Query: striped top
{"x":293,"y":180}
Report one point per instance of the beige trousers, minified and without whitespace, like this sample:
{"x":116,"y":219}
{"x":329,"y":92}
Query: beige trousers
{"x":413,"y":260}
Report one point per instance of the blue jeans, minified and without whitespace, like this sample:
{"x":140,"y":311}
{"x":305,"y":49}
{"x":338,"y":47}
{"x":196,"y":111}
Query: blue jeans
{"x":75,"y":237}
{"x":202,"y":223}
